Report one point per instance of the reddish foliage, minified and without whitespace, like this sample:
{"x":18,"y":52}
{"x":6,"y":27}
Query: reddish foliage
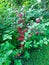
{"x":20,"y":21}
{"x":21,"y":45}
{"x":22,"y":35}
{"x":37,"y":33}
{"x":25,"y":30}
{"x":21,"y":32}
{"x":21,"y":38}
{"x":19,"y":29}
{"x":20,"y":15}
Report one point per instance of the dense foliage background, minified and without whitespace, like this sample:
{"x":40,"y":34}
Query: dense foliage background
{"x":24,"y":29}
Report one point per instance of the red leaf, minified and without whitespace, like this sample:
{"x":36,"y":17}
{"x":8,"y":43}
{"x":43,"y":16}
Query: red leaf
{"x":19,"y":29}
{"x":21,"y":45}
{"x":37,"y":33}
{"x":22,"y":34}
{"x":21,"y":38}
{"x":20,"y":15}
{"x":25,"y":30}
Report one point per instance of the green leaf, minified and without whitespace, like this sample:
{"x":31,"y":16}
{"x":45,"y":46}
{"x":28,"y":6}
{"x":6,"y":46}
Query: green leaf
{"x":27,"y":45}
{"x":27,"y":55}
{"x":17,"y":62}
{"x":7,"y":62}
{"x":45,"y":42}
{"x":35,"y":44}
{"x":6,"y":36}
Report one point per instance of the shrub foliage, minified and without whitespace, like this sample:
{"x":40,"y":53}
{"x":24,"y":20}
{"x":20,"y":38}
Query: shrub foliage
{"x":20,"y":32}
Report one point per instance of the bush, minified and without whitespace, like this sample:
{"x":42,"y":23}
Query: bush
{"x":20,"y":32}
